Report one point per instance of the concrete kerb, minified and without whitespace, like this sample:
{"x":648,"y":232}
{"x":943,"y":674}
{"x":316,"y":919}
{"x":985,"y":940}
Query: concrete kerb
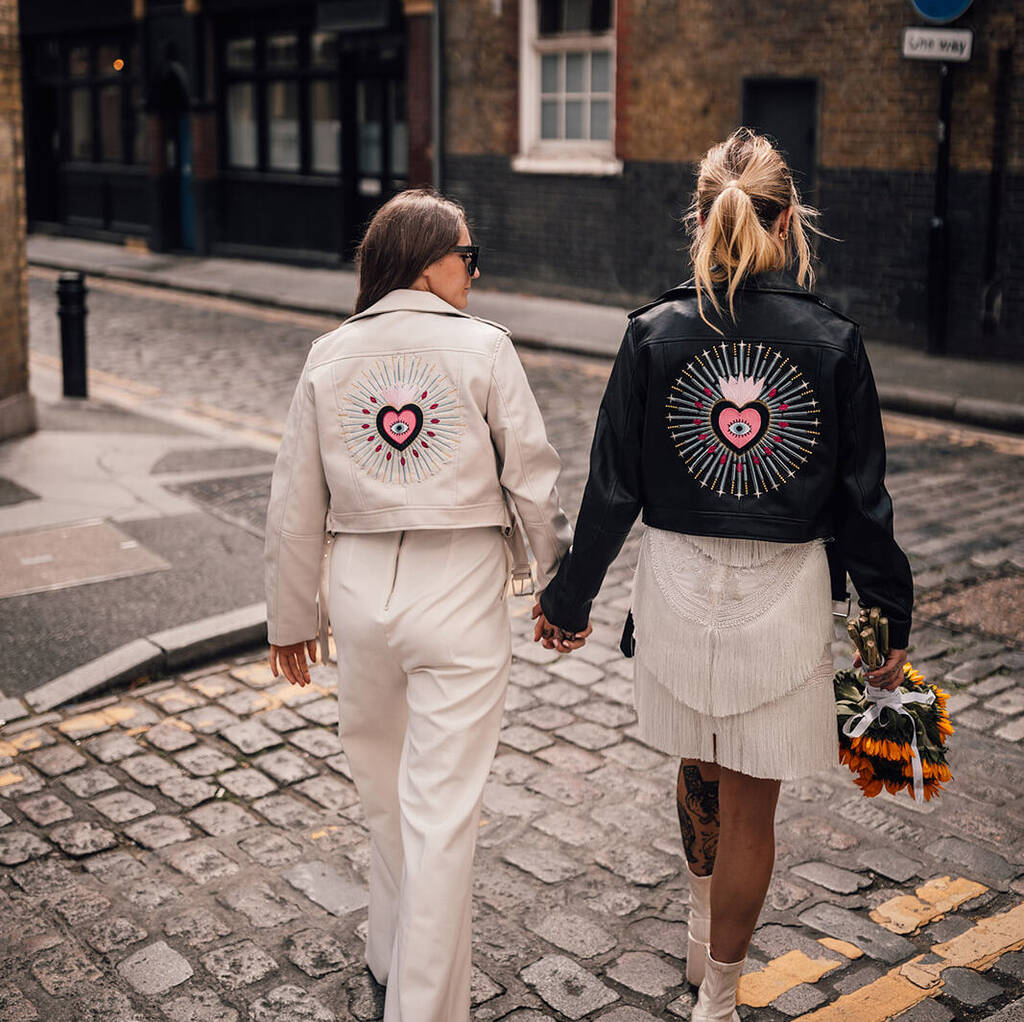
{"x":156,"y":655}
{"x":999,"y":415}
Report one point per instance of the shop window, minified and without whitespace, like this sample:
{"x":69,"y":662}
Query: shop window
{"x":80,"y":142}
{"x":240,"y":54}
{"x":284,"y":100}
{"x":243,"y":149}
{"x":282,"y":51}
{"x":110,"y":60}
{"x":567,"y":87}
{"x":323,"y":49}
{"x":111,"y":124}
{"x":399,"y":134}
{"x":140,"y":137}
{"x":369,"y":134}
{"x":283,"y":120}
{"x":99,"y":88}
{"x":326,"y":123}
{"x":78,"y":61}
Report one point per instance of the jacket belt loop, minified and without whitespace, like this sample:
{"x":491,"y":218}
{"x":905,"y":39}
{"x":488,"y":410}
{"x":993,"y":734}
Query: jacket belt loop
{"x":322,"y":598}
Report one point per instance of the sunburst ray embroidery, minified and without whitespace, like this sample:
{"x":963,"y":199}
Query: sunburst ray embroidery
{"x":401,"y":420}
{"x":742,"y":418}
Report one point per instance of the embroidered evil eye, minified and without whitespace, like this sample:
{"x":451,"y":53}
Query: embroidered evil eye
{"x":399,"y":428}
{"x":739,"y":428}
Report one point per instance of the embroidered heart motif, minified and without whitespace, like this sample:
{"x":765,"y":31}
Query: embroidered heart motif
{"x":400,"y":426}
{"x":739,"y":427}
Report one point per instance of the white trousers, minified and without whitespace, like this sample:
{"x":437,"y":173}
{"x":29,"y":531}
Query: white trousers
{"x":424,"y":648}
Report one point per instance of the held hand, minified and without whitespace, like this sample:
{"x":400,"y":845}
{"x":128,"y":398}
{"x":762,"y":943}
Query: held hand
{"x":292,"y":661}
{"x":552,"y":637}
{"x":890,"y":675}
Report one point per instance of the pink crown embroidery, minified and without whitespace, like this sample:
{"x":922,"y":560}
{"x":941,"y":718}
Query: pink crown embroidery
{"x":740,"y":390}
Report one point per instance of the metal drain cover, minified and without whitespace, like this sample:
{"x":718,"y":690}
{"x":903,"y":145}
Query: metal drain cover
{"x":70,"y":555}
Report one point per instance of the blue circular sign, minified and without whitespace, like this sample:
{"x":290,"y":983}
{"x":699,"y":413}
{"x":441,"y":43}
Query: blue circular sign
{"x":941,"y":11}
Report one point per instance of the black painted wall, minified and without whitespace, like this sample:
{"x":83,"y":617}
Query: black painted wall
{"x":619,"y":240}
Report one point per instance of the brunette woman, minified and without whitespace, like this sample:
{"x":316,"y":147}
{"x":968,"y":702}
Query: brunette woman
{"x":412,"y":435}
{"x":741,"y":420}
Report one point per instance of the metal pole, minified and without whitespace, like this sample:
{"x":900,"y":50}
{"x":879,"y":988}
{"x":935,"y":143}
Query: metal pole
{"x":71,"y":310}
{"x":437,"y":96}
{"x":938,"y":237}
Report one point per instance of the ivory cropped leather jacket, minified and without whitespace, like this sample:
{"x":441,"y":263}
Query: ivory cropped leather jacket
{"x":410,"y":415}
{"x":770,"y":432}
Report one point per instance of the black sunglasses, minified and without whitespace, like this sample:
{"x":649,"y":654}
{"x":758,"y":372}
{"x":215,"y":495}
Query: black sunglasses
{"x":473,"y":251}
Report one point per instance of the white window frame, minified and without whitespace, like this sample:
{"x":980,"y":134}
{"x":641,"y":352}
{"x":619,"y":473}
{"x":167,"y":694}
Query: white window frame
{"x":558,"y":156}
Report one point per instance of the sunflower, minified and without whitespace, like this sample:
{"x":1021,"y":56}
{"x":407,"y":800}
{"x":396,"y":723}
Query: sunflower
{"x":882,"y":759}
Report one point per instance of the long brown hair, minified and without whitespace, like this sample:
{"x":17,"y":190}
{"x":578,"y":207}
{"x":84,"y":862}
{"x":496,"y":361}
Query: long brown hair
{"x":408,"y":233}
{"x":743,"y":186}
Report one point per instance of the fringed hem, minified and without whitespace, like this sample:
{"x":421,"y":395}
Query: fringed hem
{"x":793,"y":737}
{"x":727,"y":639}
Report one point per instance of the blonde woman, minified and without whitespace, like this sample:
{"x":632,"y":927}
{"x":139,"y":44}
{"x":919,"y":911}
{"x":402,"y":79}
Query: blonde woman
{"x":412,"y":436}
{"x":741,"y":420}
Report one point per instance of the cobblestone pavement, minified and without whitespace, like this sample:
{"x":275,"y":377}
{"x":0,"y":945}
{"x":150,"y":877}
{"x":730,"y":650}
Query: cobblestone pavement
{"x":194,"y":849}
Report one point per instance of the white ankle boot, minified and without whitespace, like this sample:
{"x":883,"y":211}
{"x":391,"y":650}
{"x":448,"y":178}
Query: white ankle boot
{"x":716,"y":999}
{"x":698,"y":926}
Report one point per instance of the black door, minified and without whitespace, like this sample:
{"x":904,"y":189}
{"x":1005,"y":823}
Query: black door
{"x":42,"y":131}
{"x":375,"y":147}
{"x":786,"y":110}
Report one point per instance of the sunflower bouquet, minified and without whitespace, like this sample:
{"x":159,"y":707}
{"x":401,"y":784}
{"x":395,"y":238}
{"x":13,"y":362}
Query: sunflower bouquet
{"x":891,"y":740}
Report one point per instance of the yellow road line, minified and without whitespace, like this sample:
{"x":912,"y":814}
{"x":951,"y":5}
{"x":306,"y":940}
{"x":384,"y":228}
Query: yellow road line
{"x":907,"y":913}
{"x":759,"y":989}
{"x":107,"y":716}
{"x":844,"y":947}
{"x":906,"y":985}
{"x":25,"y":742}
{"x":151,"y":401}
{"x":38,"y":358}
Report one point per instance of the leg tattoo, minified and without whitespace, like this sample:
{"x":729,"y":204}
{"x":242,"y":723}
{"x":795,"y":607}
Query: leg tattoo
{"x":697,"y":806}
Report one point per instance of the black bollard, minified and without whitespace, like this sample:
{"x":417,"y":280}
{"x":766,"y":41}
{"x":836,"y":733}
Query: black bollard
{"x":71,"y":309}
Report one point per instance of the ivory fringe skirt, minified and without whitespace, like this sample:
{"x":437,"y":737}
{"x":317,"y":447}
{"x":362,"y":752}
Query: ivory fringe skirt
{"x":733,"y":657}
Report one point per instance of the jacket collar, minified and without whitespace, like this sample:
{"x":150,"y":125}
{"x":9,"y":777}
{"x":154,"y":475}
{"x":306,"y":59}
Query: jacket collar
{"x":405,"y":299}
{"x":773,"y":281}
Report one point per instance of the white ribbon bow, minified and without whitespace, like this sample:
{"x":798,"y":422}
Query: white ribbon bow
{"x":879,"y":699}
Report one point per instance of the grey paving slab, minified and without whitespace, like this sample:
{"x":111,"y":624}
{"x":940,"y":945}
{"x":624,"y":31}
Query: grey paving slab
{"x":327,"y":888}
{"x":155,"y":969}
{"x":567,"y":987}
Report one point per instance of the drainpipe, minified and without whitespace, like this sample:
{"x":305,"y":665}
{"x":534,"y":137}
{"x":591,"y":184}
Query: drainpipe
{"x":437,"y":95}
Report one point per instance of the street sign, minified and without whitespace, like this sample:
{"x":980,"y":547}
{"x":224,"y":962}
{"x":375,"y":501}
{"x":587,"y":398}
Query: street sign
{"x":953,"y":45}
{"x":940,"y":11}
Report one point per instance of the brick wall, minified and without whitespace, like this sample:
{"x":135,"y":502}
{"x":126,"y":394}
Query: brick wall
{"x":681,"y":66}
{"x":16,"y":414}
{"x":481,"y":53}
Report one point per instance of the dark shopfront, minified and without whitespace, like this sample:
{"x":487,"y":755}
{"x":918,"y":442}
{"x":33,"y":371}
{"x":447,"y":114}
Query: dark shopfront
{"x":270,"y":129}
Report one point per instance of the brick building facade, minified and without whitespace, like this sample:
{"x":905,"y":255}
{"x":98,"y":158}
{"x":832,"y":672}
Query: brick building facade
{"x":569,"y":128}
{"x":595,"y":216}
{"x":17,"y":412}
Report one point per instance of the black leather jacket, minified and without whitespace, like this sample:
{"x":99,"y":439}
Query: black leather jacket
{"x":770,"y":432}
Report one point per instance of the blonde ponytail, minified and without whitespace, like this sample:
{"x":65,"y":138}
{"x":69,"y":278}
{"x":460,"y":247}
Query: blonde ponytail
{"x":743,"y":187}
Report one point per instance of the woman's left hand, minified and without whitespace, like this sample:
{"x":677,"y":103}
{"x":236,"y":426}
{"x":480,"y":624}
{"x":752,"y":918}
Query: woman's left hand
{"x":552,"y":637}
{"x":292,"y":661}
{"x":890,"y":675}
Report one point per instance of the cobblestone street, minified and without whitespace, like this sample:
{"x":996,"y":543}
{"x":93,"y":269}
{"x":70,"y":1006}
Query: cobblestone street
{"x":193,"y":850}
